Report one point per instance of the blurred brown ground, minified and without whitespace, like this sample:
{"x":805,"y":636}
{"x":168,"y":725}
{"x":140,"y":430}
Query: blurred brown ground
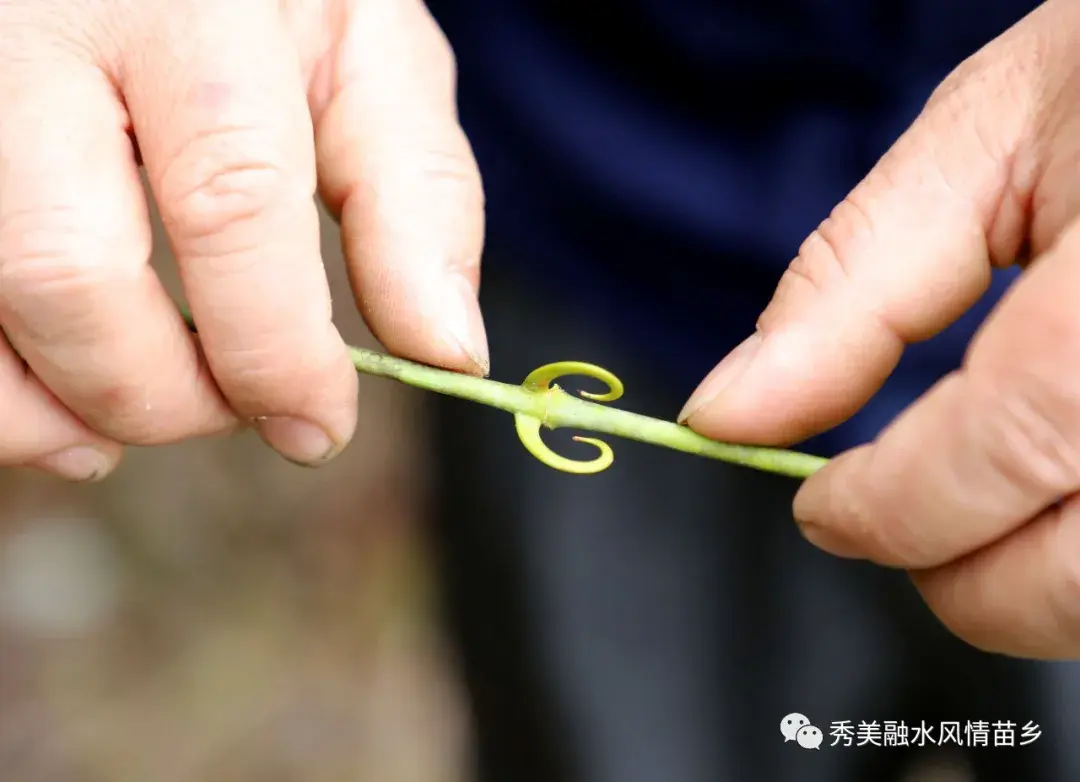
{"x":211,"y":612}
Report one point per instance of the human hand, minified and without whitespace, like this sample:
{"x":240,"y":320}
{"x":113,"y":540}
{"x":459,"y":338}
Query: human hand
{"x":241,"y":109}
{"x":974,"y":488}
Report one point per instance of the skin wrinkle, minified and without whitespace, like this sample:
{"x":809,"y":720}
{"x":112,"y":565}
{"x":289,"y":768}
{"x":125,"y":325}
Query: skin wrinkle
{"x":1011,"y":216}
{"x":829,"y":244}
{"x":1050,"y":463}
{"x":73,"y":262}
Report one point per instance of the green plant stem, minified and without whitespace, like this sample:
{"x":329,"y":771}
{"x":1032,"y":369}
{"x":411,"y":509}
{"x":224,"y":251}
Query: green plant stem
{"x":555,"y":408}
{"x":559,"y":409}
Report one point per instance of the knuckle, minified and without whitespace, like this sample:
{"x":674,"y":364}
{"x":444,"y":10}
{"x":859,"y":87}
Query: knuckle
{"x":452,"y":178}
{"x":128,"y":409}
{"x":435,"y":162}
{"x":901,"y":538}
{"x":454,"y":166}
{"x":48,"y":253}
{"x":824,"y":259}
{"x":848,"y":227}
{"x":1027,"y":437}
{"x":889,"y":528}
{"x":277,"y":374}
{"x":121,"y":403}
{"x":816,"y":265}
{"x":823,"y":264}
{"x":215,"y":184}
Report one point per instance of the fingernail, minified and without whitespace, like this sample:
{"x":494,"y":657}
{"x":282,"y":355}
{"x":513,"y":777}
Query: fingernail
{"x":462,"y":320}
{"x":297,"y":440}
{"x":722,"y":376}
{"x":82,"y":463}
{"x":830,"y":542}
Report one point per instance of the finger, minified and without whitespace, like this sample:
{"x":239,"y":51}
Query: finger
{"x":396,"y":167}
{"x":78,"y":298}
{"x":38,"y":430}
{"x":226,"y":136}
{"x":983,"y":452}
{"x":1020,"y":596}
{"x":908,"y":251}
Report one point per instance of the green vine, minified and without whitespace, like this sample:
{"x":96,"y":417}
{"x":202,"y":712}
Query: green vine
{"x":539,"y":403}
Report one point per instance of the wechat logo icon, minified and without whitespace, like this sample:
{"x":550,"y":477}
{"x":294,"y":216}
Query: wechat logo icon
{"x":797,"y":727}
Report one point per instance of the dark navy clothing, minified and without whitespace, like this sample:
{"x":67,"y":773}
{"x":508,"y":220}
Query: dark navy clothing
{"x":651,"y":167}
{"x":660,"y":161}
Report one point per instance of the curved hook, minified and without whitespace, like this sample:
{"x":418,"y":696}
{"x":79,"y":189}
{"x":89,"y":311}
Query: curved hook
{"x":528,"y":427}
{"x":540,"y":379}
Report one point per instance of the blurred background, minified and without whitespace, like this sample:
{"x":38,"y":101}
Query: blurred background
{"x":212,"y":612}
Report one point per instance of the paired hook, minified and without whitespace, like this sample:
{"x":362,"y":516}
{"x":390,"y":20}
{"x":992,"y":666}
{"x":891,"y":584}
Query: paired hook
{"x":528,"y":427}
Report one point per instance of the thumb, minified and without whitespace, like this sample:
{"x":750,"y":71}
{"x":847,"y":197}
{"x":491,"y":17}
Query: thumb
{"x":902,"y":257}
